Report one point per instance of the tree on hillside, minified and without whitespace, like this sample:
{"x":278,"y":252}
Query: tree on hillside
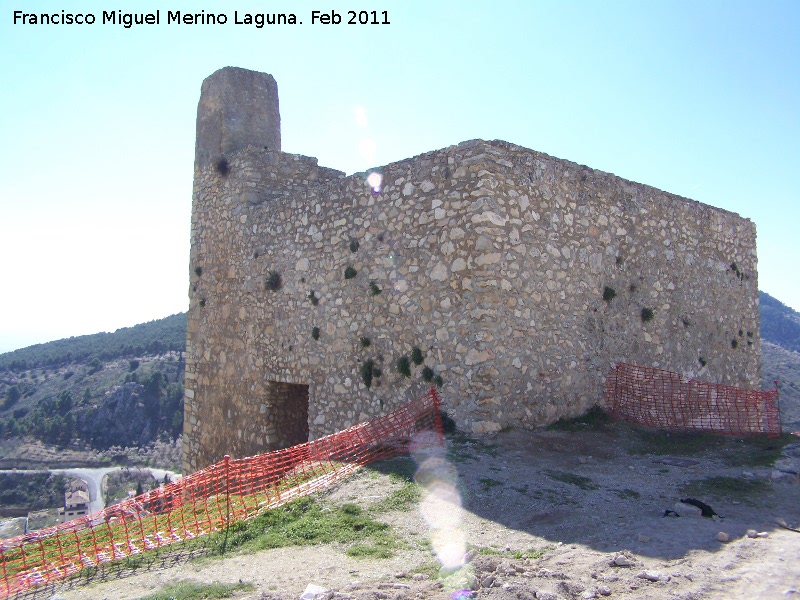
{"x":12,"y":396}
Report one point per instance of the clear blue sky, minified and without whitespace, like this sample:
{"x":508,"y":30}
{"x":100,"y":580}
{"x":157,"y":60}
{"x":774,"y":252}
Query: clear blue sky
{"x":97,"y":123}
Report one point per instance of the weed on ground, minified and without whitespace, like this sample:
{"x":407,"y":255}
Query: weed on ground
{"x":585,"y":483}
{"x":733,"y":488}
{"x":192,"y":590}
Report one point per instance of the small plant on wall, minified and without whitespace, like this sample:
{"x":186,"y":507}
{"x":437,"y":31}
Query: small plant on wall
{"x":368,"y":372}
{"x":222,"y":166}
{"x":350,"y":273}
{"x":609,"y":293}
{"x":365,"y":342}
{"x":313,"y":298}
{"x":374,"y":290}
{"x":354,"y":246}
{"x":273,"y":282}
{"x":404,"y":366}
{"x":647,"y":314}
{"x":198,"y":271}
{"x":315,"y":333}
{"x":416,"y":356}
{"x":427,"y":374}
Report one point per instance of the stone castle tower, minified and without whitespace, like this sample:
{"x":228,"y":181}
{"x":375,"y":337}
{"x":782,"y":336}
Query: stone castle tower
{"x":513,"y":279}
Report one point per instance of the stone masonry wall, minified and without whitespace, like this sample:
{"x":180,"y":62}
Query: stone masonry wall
{"x":492,"y":259}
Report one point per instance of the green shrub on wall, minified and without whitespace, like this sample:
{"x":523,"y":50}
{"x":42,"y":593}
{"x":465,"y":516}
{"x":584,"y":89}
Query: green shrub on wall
{"x":350,"y":273}
{"x":404,"y":366}
{"x":416,"y":356}
{"x":367,"y":372}
{"x":273,"y":282}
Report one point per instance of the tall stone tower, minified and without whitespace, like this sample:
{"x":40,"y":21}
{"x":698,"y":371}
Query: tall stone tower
{"x":237,"y":108}
{"x":516,"y":279}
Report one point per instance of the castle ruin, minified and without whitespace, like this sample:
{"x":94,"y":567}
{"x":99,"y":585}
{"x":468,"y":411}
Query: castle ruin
{"x":512,"y":279}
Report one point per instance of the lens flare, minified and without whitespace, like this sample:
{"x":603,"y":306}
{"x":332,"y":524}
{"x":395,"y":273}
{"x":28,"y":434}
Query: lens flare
{"x":440,"y":505}
{"x":374,"y":181}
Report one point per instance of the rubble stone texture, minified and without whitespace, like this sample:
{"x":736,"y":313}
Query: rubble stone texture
{"x":493,"y":259}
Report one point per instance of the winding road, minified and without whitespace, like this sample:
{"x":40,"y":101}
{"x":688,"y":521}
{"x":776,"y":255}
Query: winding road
{"x":94,"y":480}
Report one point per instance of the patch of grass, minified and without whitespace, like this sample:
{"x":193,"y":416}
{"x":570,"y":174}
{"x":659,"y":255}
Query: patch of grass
{"x":377,"y":550}
{"x":427,"y":374}
{"x":737,"y":488}
{"x":647,"y":314}
{"x":750,"y":451}
{"x":609,"y":293}
{"x":627,"y":494}
{"x":400,"y":469}
{"x":757,"y":450}
{"x":365,"y":342}
{"x":402,"y":499}
{"x":429,"y":568}
{"x":534,"y":553}
{"x":595,"y":418}
{"x":350,"y":273}
{"x":641,"y":440}
{"x":193,"y":590}
{"x":585,"y":483}
{"x":303,"y":522}
{"x":488,"y":483}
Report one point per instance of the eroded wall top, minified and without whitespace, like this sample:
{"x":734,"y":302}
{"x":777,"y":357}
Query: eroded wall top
{"x":237,"y":108}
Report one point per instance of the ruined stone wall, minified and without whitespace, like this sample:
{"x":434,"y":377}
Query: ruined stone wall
{"x":492,"y":259}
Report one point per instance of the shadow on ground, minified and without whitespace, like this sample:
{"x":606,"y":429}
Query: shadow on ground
{"x":608,"y":488}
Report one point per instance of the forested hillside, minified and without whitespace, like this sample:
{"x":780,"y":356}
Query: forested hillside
{"x":780,"y":325}
{"x":96,"y":392}
{"x":152,"y":338}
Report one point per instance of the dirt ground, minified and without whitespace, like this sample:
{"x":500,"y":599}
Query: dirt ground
{"x":547,"y":515}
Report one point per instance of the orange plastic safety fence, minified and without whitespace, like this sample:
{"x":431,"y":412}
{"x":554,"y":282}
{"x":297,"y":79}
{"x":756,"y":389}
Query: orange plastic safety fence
{"x":667,"y":400}
{"x":209,"y":500}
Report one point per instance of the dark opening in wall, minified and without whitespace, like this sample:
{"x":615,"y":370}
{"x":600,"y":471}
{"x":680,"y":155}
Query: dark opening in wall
{"x":289,"y":408}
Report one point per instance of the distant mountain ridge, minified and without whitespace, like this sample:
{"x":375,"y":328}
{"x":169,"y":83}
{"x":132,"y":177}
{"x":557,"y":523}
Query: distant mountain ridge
{"x":780,"y":324}
{"x":153,"y":337}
